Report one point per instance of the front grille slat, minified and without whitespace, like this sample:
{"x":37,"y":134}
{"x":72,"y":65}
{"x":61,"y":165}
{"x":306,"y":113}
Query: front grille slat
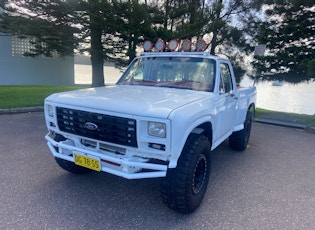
{"x":117,"y":130}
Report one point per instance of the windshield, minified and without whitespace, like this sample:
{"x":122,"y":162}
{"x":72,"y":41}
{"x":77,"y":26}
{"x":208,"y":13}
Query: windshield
{"x":175,"y":72}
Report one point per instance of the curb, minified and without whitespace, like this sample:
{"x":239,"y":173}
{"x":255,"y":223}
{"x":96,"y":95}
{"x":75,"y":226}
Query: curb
{"x":281,"y":123}
{"x":310,"y":129}
{"x":286,"y":124}
{"x":22,"y":110}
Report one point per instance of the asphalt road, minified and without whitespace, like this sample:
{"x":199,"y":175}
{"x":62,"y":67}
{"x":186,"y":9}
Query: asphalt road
{"x":269,"y":186}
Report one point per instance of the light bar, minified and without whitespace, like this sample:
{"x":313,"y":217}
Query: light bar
{"x":172,"y":45}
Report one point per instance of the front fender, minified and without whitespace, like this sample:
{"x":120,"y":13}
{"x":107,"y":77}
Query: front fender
{"x":181,"y":134}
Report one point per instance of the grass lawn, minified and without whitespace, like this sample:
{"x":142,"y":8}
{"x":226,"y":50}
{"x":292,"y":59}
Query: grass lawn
{"x":32,"y":96}
{"x":28,"y":96}
{"x":301,"y":118}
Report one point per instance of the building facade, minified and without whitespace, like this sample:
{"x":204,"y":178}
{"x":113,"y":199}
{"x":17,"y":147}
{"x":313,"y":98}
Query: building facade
{"x":17,"y":69}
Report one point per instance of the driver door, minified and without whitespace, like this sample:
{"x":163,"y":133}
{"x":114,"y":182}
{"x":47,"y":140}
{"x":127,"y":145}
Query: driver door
{"x":226,"y":103}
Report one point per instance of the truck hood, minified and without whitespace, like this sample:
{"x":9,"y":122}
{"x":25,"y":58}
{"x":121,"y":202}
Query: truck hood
{"x":156,"y":102}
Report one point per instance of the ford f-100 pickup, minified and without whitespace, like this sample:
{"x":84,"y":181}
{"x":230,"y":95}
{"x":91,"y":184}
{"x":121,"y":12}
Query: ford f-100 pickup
{"x":164,"y":116}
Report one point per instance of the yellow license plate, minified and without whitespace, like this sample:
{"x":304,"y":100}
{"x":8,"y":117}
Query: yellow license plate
{"x":87,"y":162}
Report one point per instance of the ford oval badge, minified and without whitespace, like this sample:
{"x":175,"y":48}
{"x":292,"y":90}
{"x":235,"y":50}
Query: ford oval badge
{"x":90,"y":126}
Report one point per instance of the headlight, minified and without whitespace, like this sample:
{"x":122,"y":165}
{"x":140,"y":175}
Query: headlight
{"x":50,"y":111}
{"x":157,"y":129}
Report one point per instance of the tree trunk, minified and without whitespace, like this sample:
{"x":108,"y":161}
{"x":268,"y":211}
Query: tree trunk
{"x":97,"y":58}
{"x":213,"y":42}
{"x":167,"y":11}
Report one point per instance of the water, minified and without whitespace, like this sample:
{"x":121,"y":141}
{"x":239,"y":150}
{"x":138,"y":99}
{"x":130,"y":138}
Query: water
{"x":83,"y":74}
{"x":292,"y":98}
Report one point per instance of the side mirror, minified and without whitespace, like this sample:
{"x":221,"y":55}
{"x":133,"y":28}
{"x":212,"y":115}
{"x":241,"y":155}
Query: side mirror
{"x":233,"y":94}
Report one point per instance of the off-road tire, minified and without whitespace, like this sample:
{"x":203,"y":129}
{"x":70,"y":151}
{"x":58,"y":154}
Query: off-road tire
{"x":71,"y":167}
{"x":239,"y":140}
{"x":184,"y":187}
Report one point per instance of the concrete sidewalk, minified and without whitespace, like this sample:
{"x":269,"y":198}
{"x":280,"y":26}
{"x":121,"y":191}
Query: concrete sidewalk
{"x":280,"y":119}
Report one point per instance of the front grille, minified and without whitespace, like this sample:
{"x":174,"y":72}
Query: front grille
{"x":117,"y":130}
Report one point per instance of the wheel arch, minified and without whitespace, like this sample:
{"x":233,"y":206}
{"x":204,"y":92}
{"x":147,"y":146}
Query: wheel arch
{"x":204,"y":129}
{"x":202,"y":126}
{"x":252,"y":108}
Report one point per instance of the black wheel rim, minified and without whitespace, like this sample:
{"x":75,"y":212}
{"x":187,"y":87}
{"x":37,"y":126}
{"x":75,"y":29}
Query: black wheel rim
{"x":199,"y":175}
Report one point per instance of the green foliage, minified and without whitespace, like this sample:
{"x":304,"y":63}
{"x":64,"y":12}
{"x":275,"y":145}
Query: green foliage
{"x":133,"y":23}
{"x":112,"y":30}
{"x":289,"y":36}
{"x":225,"y":25}
{"x":309,"y":67}
{"x":50,"y":24}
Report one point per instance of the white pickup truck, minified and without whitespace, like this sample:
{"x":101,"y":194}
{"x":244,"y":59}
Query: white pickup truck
{"x":162,"y":119}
